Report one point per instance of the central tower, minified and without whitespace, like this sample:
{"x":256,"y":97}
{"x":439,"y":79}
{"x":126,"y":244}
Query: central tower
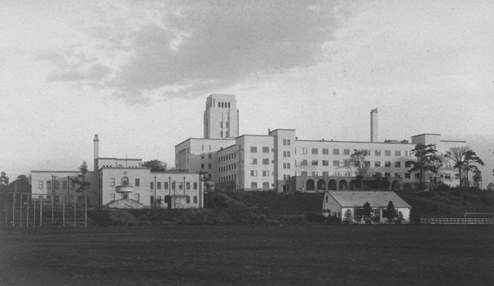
{"x":221,"y":117}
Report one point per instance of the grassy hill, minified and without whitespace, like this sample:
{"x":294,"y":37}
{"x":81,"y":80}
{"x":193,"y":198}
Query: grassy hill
{"x":271,"y":208}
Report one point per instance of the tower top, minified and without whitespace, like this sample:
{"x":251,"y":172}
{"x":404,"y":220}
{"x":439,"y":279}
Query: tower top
{"x":96,"y":137}
{"x":374,"y":110}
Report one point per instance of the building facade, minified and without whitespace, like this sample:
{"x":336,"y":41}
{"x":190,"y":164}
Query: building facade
{"x":282,"y":162}
{"x":125,"y":183}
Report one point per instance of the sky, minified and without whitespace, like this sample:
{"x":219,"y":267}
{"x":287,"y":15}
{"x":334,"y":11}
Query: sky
{"x":137,"y":73}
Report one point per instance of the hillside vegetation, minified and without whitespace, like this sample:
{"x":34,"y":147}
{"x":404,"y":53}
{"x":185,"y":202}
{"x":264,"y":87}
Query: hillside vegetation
{"x":271,"y":208}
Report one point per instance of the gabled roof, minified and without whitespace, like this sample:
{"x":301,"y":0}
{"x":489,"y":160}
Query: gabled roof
{"x":375,"y":199}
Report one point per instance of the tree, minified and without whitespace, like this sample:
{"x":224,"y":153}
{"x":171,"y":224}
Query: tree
{"x":437,"y":162}
{"x":367,"y":210}
{"x":358,"y":161}
{"x":79,"y":182}
{"x":348,"y":216}
{"x":464,"y":160}
{"x":155,"y":165}
{"x":424,"y":154}
{"x":391,"y":212}
{"x":477,"y":178}
{"x":4,"y":182}
{"x":20,"y":185}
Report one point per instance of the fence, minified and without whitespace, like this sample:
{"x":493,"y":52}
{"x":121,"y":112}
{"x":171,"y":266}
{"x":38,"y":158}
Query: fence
{"x":463,"y":221}
{"x":32,"y":210}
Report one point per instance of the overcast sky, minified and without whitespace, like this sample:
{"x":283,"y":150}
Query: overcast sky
{"x":138,"y":73}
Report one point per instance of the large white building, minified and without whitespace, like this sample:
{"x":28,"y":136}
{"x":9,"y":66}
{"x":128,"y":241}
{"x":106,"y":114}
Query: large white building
{"x":125,"y":183}
{"x":281,"y":161}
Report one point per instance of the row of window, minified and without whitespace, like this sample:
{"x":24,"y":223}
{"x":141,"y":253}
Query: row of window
{"x":265,"y":185}
{"x":253,"y":149}
{"x":227,"y":124}
{"x":56,"y":185}
{"x":173,"y":185}
{"x":227,"y":167}
{"x":253,"y":173}
{"x":325,"y":151}
{"x":226,"y":157}
{"x":203,"y":155}
{"x":202,"y":166}
{"x":228,"y":178}
{"x":137,"y":197}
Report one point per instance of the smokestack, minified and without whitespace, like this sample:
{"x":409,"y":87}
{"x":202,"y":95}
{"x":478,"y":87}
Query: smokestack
{"x":373,"y":125}
{"x":96,"y":146}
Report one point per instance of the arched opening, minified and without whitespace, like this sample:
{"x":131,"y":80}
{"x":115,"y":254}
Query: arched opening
{"x":395,"y":186}
{"x":353,"y":185}
{"x":343,"y":185}
{"x":321,"y":185}
{"x":408,"y":187}
{"x":309,"y":186}
{"x":332,"y":185}
{"x":125,"y":181}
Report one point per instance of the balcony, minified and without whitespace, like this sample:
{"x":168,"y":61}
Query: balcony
{"x":124,"y":189}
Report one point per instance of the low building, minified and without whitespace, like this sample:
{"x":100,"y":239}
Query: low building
{"x":345,"y":205}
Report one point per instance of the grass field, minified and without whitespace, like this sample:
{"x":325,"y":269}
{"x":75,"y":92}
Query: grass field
{"x":248,"y":255}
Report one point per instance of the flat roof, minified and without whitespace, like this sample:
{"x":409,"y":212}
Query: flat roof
{"x":192,"y":138}
{"x":454,"y":141}
{"x":366,"y":142}
{"x":426,"y":134}
{"x":115,"y":158}
{"x":38,"y":171}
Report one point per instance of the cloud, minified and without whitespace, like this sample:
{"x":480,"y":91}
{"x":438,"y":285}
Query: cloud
{"x":203,"y":47}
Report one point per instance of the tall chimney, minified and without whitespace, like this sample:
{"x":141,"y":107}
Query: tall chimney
{"x":373,"y":125}
{"x":96,"y":146}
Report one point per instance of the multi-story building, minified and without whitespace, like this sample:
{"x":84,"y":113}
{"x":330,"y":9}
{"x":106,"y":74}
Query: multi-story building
{"x":280,"y":161}
{"x":125,"y":183}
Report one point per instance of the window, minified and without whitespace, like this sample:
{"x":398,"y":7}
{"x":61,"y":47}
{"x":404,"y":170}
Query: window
{"x":57,"y":184}
{"x":377,"y":152}
{"x":303,"y":163}
{"x":447,"y":176}
{"x":314,"y":151}
{"x":124,"y":181}
{"x":209,"y":166}
{"x":253,"y":161}
{"x":314,"y":173}
{"x":387,"y":152}
{"x":336,"y":151}
{"x":286,"y":142}
{"x":151,"y":185}
{"x":387,"y":175}
{"x":112,"y":182}
{"x":40,"y":185}
{"x":325,"y":174}
{"x":265,"y":185}
{"x":209,"y":155}
{"x":315,"y":162}
{"x":377,"y":164}
{"x":265,"y":161}
{"x":180,"y":185}
{"x":325,"y":151}
{"x":194,"y":186}
{"x":367,"y":163}
{"x":137,"y":197}
{"x":265,"y":149}
{"x":286,"y":165}
{"x":336,"y":163}
{"x":387,"y":164}
{"x":397,"y":164}
{"x":303,"y":173}
{"x":253,"y":173}
{"x":397,"y":153}
{"x":158,"y":185}
{"x":346,"y":151}
{"x":398,"y":175}
{"x":346,"y":163}
{"x":165,"y":185}
{"x":202,"y":166}
{"x":265,"y":173}
{"x":137,"y":182}
{"x":158,"y":200}
{"x":187,"y":200}
{"x":195,"y":199}
{"x":203,"y":155}
{"x":112,"y":196}
{"x":64,"y":185}
{"x":304,"y":150}
{"x":286,"y":154}
{"x":408,"y":164}
{"x":221,"y":124}
{"x":407,"y":153}
{"x":253,"y":185}
{"x":174,"y":185}
{"x":325,"y":162}
{"x":253,"y":149}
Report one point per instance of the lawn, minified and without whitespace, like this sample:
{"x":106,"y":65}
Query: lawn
{"x":248,"y":255}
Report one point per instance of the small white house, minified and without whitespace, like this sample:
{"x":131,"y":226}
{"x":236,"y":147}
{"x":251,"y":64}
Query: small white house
{"x":344,"y":205}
